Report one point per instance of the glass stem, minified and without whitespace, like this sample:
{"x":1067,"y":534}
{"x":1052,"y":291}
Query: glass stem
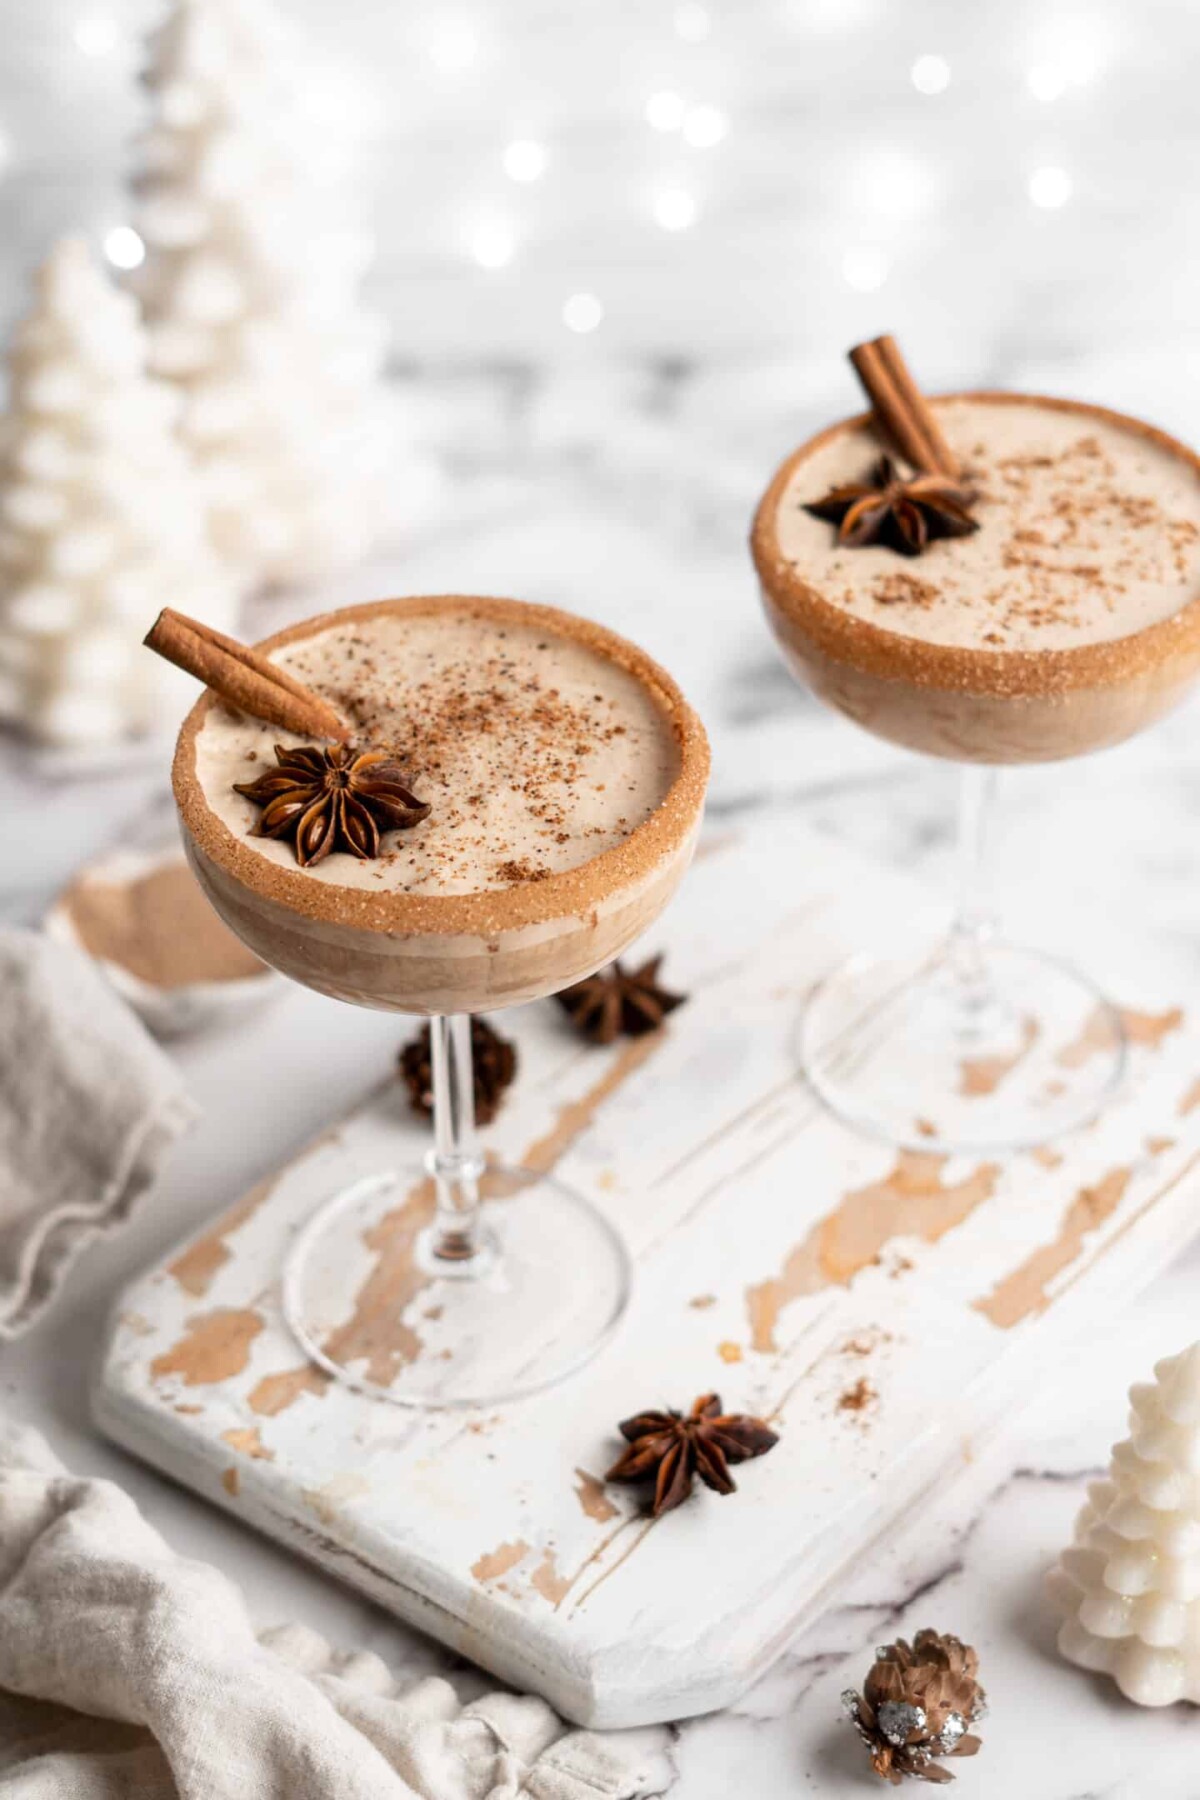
{"x":974,"y":921}
{"x":455,"y":1162}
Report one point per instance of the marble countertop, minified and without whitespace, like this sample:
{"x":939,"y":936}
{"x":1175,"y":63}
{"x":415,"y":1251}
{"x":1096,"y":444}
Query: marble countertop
{"x":639,"y":517}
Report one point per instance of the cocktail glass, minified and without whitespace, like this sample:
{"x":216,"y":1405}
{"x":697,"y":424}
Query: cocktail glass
{"x":463,"y":1282}
{"x":952,"y":1039}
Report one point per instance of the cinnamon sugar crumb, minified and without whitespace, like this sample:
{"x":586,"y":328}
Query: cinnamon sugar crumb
{"x":904,"y":590}
{"x":515,"y":870}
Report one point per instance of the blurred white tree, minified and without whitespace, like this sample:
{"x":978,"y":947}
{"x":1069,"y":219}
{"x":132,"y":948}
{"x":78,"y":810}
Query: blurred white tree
{"x":1129,"y":1586}
{"x":101,"y":517}
{"x":250,"y":289}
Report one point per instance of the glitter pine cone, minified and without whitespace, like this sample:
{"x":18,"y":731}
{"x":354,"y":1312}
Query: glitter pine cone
{"x":916,"y":1706}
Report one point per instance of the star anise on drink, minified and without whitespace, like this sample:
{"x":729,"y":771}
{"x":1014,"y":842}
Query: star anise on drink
{"x":671,"y":1449}
{"x":337,"y":798}
{"x":616,"y":1000}
{"x":493,"y":1067}
{"x":903,"y":513}
{"x":916,"y":1706}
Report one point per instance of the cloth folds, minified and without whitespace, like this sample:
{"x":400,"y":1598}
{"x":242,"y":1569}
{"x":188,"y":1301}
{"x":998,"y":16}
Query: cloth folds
{"x":130,"y":1673}
{"x":89,"y":1106}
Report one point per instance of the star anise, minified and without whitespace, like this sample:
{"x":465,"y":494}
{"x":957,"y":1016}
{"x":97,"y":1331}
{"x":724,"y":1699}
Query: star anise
{"x":615,"y":1000}
{"x":333,"y":799}
{"x":903,"y":513}
{"x":916,"y":1705}
{"x":493,"y":1067}
{"x":671,"y":1449}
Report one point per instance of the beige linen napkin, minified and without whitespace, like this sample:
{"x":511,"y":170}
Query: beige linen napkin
{"x":88,"y":1108}
{"x":128,"y":1673}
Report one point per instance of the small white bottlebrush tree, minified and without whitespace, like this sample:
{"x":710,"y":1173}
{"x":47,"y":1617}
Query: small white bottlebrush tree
{"x":250,"y":289}
{"x":1129,"y":1586}
{"x":101,"y":517}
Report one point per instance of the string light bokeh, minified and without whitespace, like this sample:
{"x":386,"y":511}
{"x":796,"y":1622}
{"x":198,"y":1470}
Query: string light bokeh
{"x":719,"y":176}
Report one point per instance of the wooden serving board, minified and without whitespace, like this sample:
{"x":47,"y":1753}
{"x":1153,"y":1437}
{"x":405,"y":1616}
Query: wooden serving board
{"x":884,"y":1308}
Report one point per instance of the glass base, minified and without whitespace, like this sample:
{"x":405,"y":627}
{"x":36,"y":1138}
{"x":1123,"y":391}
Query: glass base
{"x":373,"y":1305}
{"x":946,"y":1047}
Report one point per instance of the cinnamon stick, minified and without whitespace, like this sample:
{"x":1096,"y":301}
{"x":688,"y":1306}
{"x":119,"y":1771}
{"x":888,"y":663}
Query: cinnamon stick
{"x":242,"y":678}
{"x":901,"y":408}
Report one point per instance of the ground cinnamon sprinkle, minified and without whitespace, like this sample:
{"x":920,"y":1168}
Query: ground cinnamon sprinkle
{"x":512,"y":747}
{"x":514,"y":871}
{"x":902,"y":589}
{"x":858,"y":1398}
{"x":1078,"y":534}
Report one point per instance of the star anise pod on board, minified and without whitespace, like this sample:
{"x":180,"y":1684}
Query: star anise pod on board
{"x":916,"y":1705}
{"x":616,"y":1000}
{"x":904,"y":513}
{"x":493,"y":1066}
{"x":333,"y":799}
{"x":671,"y":1449}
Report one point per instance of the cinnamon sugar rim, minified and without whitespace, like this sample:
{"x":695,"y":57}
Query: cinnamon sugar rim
{"x":875,"y":650}
{"x":555,"y":896}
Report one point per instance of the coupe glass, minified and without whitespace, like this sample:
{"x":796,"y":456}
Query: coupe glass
{"x":459,"y":1282}
{"x":952,"y":1039}
{"x":948,"y":1038}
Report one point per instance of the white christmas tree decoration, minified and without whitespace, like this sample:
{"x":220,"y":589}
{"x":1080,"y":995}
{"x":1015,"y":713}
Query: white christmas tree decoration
{"x":1129,"y":1586}
{"x":250,"y":288}
{"x":101,"y":517}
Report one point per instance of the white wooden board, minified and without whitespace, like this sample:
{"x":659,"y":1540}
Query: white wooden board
{"x":884,"y":1308}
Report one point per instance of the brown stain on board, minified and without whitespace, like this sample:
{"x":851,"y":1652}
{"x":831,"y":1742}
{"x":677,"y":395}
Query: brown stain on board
{"x":1191,"y":1100}
{"x":547,"y":1581}
{"x":196,"y":1267}
{"x":1145,"y":1029}
{"x":215,"y":1347}
{"x":275,"y":1393}
{"x":231,"y":1481}
{"x":1149,"y":1029}
{"x":593,"y":1499}
{"x":495,"y":1563}
{"x":376,"y":1335}
{"x":1026,"y":1289}
{"x":912,"y":1200}
{"x":330,"y":1499}
{"x":247,"y":1439}
{"x":982,"y":1075}
{"x":641,"y":1527}
{"x":576,"y":1115}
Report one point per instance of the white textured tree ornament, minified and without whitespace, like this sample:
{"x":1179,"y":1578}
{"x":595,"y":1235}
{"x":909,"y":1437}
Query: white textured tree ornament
{"x":101,"y":517}
{"x":250,"y":289}
{"x":1130,"y":1584}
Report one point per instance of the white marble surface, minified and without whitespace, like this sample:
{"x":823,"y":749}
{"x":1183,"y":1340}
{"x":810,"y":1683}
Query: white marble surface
{"x":628,"y":497}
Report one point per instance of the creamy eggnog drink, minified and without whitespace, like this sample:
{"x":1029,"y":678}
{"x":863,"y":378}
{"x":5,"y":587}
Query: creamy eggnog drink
{"x":564,"y":776}
{"x":1067,"y":620}
{"x":992,"y":578}
{"x":440,"y":806}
